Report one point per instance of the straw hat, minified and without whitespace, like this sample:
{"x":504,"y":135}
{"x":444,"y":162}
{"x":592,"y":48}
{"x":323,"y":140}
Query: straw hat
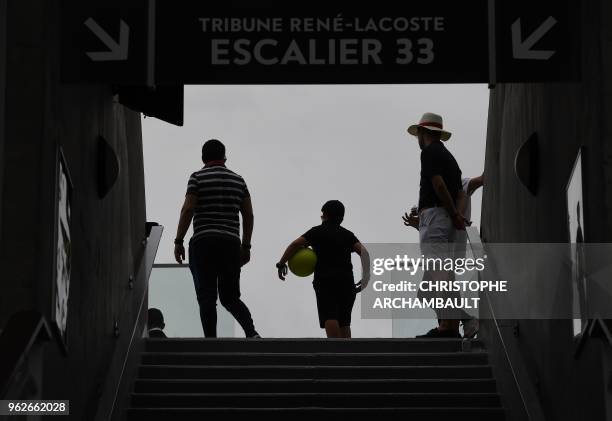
{"x":433,"y":122}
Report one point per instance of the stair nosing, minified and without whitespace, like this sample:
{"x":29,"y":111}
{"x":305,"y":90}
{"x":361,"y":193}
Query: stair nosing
{"x":352,"y":380}
{"x":301,"y":366}
{"x":334,"y":394}
{"x":313,"y":354}
{"x":315,"y":408}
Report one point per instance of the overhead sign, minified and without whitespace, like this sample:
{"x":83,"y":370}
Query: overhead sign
{"x":522,"y":48}
{"x":536,"y":41}
{"x":164,"y":42}
{"x":105,"y":41}
{"x":439,"y":41}
{"x":116,"y":50}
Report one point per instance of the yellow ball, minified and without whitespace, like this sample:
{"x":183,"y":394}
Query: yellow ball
{"x":303,"y":262}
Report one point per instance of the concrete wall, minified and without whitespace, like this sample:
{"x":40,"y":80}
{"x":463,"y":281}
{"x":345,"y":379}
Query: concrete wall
{"x":41,"y":114}
{"x":565,"y":117}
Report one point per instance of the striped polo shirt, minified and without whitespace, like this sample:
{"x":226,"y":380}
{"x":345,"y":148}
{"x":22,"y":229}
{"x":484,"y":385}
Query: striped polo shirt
{"x":220,"y":193}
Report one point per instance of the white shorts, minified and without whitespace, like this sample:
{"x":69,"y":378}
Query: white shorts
{"x":436,"y":232}
{"x":437,"y":236}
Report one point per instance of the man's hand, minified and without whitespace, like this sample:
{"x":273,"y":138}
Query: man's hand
{"x":184,"y":220}
{"x":411,"y":220}
{"x":459,"y":222}
{"x":245,"y":256}
{"x":282,"y":270}
{"x":179,"y":253}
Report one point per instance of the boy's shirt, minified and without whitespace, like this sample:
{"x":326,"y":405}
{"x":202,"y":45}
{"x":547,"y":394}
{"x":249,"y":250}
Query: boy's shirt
{"x":333,"y":245}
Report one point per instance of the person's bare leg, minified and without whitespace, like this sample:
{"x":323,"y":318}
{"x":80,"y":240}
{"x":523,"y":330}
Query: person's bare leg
{"x":443,"y":323}
{"x":332,"y":329}
{"x":346,"y":332}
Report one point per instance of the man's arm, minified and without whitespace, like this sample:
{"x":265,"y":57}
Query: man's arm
{"x":183,"y":225}
{"x":474,"y":184}
{"x":248,"y":221}
{"x":461,"y":202}
{"x":443,"y":194}
{"x":447,"y":201}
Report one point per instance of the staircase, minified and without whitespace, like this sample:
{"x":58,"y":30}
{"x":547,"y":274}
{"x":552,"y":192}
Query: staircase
{"x":313,"y":379}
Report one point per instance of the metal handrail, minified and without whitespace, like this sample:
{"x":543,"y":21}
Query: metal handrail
{"x":146,"y":265}
{"x":523,"y":385}
{"x":122,"y":357}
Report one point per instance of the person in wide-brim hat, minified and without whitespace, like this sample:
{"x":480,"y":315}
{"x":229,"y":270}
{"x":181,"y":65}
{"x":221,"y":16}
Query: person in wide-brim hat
{"x":438,"y":215}
{"x":433,"y":122}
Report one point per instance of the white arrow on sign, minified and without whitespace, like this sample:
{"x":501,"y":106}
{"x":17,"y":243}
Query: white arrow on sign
{"x":522,"y":49}
{"x":118,"y":51}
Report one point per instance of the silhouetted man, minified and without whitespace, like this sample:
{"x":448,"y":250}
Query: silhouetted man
{"x":156,"y":323}
{"x":471,"y":325}
{"x":440,"y":198}
{"x":215,"y":196}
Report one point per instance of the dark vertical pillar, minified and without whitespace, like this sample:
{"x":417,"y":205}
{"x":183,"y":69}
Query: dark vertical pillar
{"x":2,"y":105}
{"x":565,"y":116}
{"x":42,"y":114}
{"x":23,"y":127}
{"x":606,"y":57}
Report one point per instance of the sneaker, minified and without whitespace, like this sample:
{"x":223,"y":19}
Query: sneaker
{"x":254,"y":336}
{"x":470,"y":328}
{"x":436,"y":333}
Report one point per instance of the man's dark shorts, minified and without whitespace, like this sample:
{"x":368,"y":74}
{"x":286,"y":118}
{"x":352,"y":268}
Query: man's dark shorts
{"x":335,"y":301}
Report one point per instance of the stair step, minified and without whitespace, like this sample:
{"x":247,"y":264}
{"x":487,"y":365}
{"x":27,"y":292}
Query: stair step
{"x":309,"y":385}
{"x":360,"y":359}
{"x":322,"y":414}
{"x":325,"y":400}
{"x":314,"y":372}
{"x":227,"y":379}
{"x":306,"y":345}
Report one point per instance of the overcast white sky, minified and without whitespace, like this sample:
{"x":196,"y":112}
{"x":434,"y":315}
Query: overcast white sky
{"x":297,"y":147}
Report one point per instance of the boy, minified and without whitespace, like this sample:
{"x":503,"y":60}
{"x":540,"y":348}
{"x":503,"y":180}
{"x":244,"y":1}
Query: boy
{"x":333,"y":277}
